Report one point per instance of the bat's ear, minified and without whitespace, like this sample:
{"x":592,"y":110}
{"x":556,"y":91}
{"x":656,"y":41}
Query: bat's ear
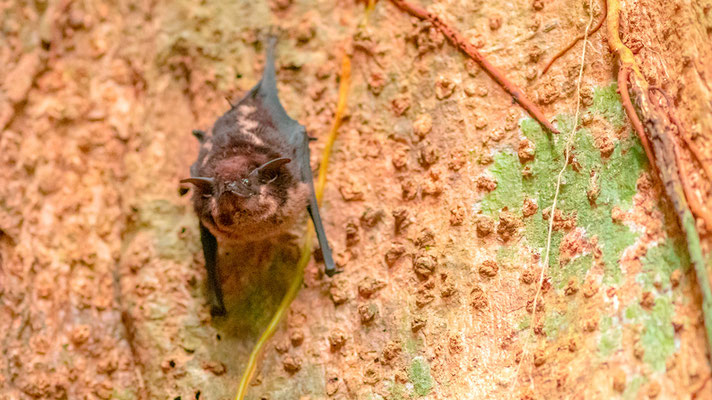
{"x":200,"y":135}
{"x":205,"y":184}
{"x":268,"y":171}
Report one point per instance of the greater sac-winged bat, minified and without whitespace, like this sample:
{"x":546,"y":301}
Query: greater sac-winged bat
{"x":252,"y":178}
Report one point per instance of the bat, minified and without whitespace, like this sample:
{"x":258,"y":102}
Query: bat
{"x":252,"y":179}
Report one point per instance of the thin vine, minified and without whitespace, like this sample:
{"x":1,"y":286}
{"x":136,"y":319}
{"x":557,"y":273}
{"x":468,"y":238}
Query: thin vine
{"x":471,"y":51}
{"x":567,"y":151}
{"x":576,"y":40}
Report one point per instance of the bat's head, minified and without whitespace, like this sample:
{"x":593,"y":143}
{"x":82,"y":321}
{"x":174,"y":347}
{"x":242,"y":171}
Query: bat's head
{"x":246,"y":198}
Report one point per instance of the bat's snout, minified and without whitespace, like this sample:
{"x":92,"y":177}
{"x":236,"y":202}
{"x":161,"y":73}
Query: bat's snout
{"x":243,"y":188}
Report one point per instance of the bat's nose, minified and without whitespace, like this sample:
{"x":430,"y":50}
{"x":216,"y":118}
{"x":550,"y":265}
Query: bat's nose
{"x":242,"y":188}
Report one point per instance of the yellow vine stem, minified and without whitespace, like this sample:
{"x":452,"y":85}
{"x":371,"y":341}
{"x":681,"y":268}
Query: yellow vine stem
{"x":306,"y":247}
{"x":614,"y":40}
{"x":369,"y":7}
{"x":338,"y":118}
{"x":277,"y":317}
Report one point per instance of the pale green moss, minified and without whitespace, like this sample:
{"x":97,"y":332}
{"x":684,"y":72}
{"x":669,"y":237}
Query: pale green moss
{"x":576,"y":268}
{"x":173,"y":228}
{"x":616,"y":178}
{"x":411,"y":344}
{"x":555,"y":323}
{"x":661,"y":260}
{"x":507,"y":255}
{"x":591,"y":187}
{"x":658,"y":336}
{"x":419,"y":375}
{"x":507,"y":172}
{"x":607,"y":102}
{"x":396,"y":390}
{"x":633,"y":387}
{"x":524,"y":323}
{"x":611,"y":334}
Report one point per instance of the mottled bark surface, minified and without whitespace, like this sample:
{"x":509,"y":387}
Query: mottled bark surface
{"x":437,"y":204}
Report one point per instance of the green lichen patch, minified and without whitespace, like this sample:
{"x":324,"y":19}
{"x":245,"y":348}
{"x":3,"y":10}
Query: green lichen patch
{"x":579,"y":196}
{"x":620,"y":174}
{"x":633,"y":387}
{"x":419,"y":376}
{"x":524,"y":323}
{"x":607,"y":102}
{"x":611,"y":334}
{"x":396,"y":390}
{"x":661,"y":260}
{"x":507,"y":255}
{"x":576,"y":268}
{"x":411,"y":344}
{"x":171,"y":227}
{"x":541,"y":184}
{"x":508,"y":194}
{"x":590,"y":187}
{"x":555,"y":323}
{"x":658,"y":335}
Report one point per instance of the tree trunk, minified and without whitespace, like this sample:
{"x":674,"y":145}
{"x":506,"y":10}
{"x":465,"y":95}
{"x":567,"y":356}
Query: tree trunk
{"x":437,"y":204}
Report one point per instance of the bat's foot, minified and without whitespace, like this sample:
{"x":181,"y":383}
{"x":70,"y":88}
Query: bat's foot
{"x":217,"y":311}
{"x":330,"y":272}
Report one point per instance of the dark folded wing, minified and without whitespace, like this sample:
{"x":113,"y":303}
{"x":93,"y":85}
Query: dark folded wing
{"x":265,"y":95}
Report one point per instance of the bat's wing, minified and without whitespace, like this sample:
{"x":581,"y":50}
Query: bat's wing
{"x":210,"y":251}
{"x":266,"y":100}
{"x":313,"y":208}
{"x":296,"y":139}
